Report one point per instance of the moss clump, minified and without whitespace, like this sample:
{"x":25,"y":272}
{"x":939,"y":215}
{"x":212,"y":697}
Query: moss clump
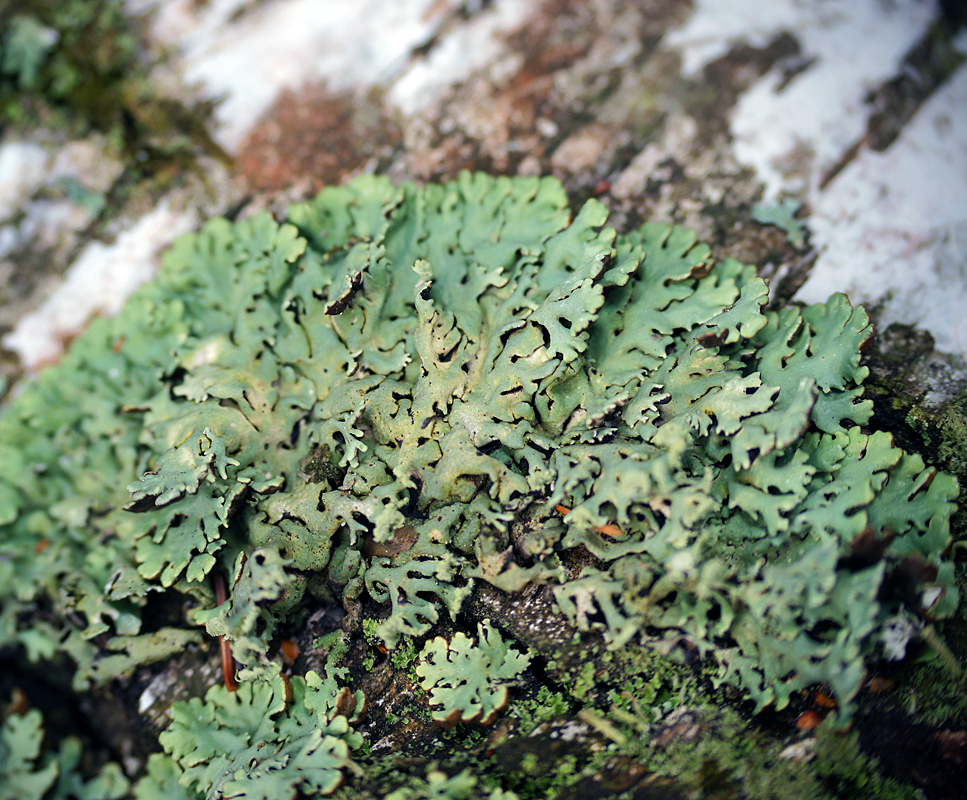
{"x":81,"y":65}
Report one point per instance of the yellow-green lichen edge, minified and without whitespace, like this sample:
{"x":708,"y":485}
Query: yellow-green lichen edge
{"x":375,"y":392}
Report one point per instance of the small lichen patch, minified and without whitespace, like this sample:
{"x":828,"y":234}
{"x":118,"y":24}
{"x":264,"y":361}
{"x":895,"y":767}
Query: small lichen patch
{"x":253,"y":743}
{"x":783,"y":216}
{"x":468,"y":680}
{"x":29,"y":772}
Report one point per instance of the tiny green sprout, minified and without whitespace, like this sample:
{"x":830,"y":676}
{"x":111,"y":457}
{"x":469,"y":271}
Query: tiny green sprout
{"x":370,"y":627}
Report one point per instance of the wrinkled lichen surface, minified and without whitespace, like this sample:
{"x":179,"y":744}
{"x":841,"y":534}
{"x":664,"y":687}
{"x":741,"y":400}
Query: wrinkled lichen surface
{"x":402,"y":392}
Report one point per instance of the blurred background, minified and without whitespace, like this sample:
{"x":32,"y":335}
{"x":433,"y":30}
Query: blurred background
{"x":823,"y":140}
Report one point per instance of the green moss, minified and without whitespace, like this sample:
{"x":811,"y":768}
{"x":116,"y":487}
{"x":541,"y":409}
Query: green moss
{"x":437,"y":784}
{"x":929,"y":692}
{"x":717,"y":754}
{"x":583,"y":683}
{"x":405,"y":656}
{"x":944,"y":432}
{"x":83,"y":65}
{"x":544,"y":705}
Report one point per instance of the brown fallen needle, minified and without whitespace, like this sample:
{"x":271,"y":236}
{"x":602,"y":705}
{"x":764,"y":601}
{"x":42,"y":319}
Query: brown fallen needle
{"x":607,"y":530}
{"x":228,"y":660}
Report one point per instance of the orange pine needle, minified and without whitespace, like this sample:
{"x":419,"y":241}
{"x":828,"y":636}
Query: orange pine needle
{"x":228,"y":660}
{"x":290,"y":650}
{"x":878,"y":685}
{"x":808,"y":720}
{"x":607,"y":530}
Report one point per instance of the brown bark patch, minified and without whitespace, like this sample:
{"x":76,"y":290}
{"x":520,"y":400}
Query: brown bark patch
{"x":313,"y":137}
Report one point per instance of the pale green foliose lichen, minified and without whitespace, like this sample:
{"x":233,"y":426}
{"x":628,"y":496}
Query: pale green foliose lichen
{"x":29,"y":773}
{"x":383,"y":389}
{"x":783,"y":216}
{"x":467,"y":680}
{"x":253,"y":743}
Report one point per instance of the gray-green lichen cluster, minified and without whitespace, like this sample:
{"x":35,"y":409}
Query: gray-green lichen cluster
{"x":468,"y":680}
{"x":254,"y":743}
{"x":29,"y":773}
{"x":397,"y":391}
